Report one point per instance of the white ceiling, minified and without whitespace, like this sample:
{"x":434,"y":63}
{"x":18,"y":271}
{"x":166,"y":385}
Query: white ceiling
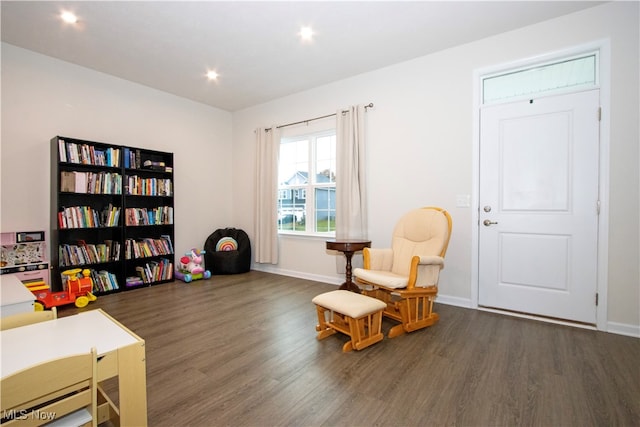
{"x":254,"y":46}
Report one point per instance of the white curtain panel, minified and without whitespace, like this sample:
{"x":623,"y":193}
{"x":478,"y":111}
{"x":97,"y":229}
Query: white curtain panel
{"x":266,"y":220}
{"x":351,"y":189}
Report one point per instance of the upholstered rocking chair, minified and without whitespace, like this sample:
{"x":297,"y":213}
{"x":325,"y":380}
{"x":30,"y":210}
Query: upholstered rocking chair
{"x":406,"y":275}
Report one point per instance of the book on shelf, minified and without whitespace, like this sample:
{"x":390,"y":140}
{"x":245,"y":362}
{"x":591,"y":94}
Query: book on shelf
{"x":104,"y":281}
{"x":113,"y":249}
{"x":70,"y":255}
{"x":167,"y":240}
{"x":143,"y":272}
{"x":110,"y":216}
{"x":90,"y":182}
{"x":151,"y":163}
{"x":77,"y":217}
{"x":139,"y":186}
{"x":80,"y":182}
{"x":87,"y":154}
{"x":88,"y":217}
{"x":148,"y":247}
{"x":67,"y":182}
{"x":162,"y":215}
{"x":155,"y":271}
{"x":126,"y":157}
{"x":62,"y":150}
{"x":133,"y":281}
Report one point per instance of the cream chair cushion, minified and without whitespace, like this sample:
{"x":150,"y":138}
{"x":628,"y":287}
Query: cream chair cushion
{"x":382,"y":278}
{"x":420,"y":232}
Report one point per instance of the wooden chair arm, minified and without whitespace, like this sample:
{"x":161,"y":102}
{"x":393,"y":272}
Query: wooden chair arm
{"x":425,"y":272}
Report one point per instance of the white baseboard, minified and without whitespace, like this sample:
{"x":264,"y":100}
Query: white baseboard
{"x":268,"y":268}
{"x":623,"y":329}
{"x":451,"y":300}
{"x":612,"y":327}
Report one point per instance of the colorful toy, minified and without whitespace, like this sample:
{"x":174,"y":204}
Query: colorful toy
{"x":77,"y":291}
{"x":191,"y":266}
{"x":227,"y":244}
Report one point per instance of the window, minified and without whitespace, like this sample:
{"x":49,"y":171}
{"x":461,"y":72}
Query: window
{"x":284,"y":194}
{"x":307,"y":184}
{"x":569,"y":73}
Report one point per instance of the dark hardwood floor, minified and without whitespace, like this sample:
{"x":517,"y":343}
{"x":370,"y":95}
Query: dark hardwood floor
{"x":241,"y":351}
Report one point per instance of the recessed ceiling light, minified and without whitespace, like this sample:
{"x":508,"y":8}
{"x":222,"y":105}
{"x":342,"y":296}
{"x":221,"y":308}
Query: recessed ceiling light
{"x":69,"y":17}
{"x":306,"y":33}
{"x":212,"y":75}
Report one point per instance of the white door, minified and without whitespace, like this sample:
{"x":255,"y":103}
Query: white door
{"x":539,"y":206}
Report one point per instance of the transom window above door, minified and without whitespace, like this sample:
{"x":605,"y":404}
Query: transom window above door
{"x":572,"y":73}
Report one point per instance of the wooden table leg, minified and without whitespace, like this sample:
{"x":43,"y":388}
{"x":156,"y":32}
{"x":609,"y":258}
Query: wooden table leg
{"x":349,"y":285}
{"x":132,"y":385}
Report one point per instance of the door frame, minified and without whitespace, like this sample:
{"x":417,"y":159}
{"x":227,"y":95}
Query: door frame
{"x":603,"y":46}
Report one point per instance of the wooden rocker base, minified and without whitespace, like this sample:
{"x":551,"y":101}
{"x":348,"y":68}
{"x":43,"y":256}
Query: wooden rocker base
{"x":414,"y":312}
{"x":355,"y":315}
{"x":401,"y":329}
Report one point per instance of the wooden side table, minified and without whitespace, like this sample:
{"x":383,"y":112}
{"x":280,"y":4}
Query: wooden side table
{"x":348,"y":247}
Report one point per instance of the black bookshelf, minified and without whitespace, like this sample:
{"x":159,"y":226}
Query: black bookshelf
{"x":112,"y":213}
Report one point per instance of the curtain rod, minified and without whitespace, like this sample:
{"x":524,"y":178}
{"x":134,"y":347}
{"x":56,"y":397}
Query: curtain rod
{"x":369,"y":105}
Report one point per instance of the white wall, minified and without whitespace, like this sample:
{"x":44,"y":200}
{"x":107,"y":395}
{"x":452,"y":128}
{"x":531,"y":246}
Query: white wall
{"x":420,"y":141}
{"x":43,"y":97}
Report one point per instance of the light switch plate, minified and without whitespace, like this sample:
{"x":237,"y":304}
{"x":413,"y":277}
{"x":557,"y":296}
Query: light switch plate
{"x":463,"y":200}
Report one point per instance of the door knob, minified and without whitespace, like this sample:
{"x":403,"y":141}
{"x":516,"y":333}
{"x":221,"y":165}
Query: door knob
{"x":488,"y":222}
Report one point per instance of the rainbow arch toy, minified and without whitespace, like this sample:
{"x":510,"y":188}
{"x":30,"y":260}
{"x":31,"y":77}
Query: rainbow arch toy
{"x":227,"y":244}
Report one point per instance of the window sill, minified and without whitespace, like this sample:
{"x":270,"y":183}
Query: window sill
{"x":316,"y":236}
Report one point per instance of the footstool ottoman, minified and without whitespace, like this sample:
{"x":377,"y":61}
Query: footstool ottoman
{"x":353,"y":314}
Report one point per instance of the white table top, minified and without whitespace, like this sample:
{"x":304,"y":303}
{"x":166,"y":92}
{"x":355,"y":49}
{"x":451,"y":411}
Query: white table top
{"x":13,"y":291}
{"x":29,"y":345}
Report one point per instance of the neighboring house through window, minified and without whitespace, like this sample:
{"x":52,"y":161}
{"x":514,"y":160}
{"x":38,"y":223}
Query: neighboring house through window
{"x":307,"y":183}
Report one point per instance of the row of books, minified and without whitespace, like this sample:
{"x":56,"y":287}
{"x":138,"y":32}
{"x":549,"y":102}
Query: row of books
{"x":87,"y":217}
{"x":139,"y":186}
{"x":152,"y":216}
{"x":103,"y":280}
{"x":156,"y":166}
{"x":86,"y":154}
{"x":155,"y":271}
{"x":88,"y":253}
{"x":147,"y":247}
{"x":91,"y":182}
{"x":133,"y":160}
